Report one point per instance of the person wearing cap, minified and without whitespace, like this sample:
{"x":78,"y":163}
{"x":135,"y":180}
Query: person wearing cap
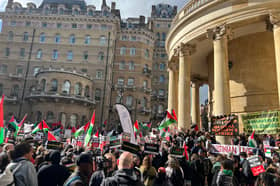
{"x":53,"y":174}
{"x":83,"y":171}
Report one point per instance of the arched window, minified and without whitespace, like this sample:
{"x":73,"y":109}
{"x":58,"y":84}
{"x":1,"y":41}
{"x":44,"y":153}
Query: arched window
{"x":39,"y":116}
{"x":78,"y":89}
{"x":123,"y":51}
{"x":57,"y":38}
{"x":42,"y":38}
{"x":85,"y":55}
{"x":147,"y":53}
{"x":10,"y":36}
{"x":87,"y":91}
{"x":55,"y":54}
{"x":144,"y":102}
{"x":39,"y":54}
{"x":61,"y":11}
{"x":129,"y":101}
{"x":161,"y":79}
{"x":160,"y":109}
{"x":131,"y":65}
{"x":1,"y":89}
{"x":155,"y":66}
{"x":87,"y":39}
{"x":72,"y":39}
{"x":70,"y":55}
{"x":54,"y":85}
{"x":25,"y":36}
{"x":102,"y":40}
{"x":43,"y":84}
{"x":90,"y":13}
{"x":101,"y":56}
{"x":62,"y":119}
{"x":66,"y":87}
{"x":132,"y":51}
{"x":162,"y":66}
{"x":50,"y":116}
{"x":73,"y":120}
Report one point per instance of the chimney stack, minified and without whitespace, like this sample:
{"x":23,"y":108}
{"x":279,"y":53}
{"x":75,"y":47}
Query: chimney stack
{"x":153,"y":11}
{"x":113,"y":5}
{"x":142,"y":20}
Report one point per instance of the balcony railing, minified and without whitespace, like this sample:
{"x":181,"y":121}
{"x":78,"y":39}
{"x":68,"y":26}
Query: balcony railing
{"x":39,"y":94}
{"x":15,"y":76}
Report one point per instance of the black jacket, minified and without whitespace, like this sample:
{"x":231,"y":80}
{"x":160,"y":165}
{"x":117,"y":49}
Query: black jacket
{"x":97,"y":178}
{"x":52,"y":175}
{"x":124,"y":177}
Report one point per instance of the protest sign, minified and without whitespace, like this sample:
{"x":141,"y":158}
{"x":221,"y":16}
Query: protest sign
{"x":261,"y":122}
{"x":151,"y":148}
{"x":115,"y":142}
{"x":256,"y":165}
{"x":130,"y":147}
{"x":105,"y":140}
{"x":225,"y":126}
{"x":225,"y":149}
{"x":54,"y":145}
{"x":95,"y":142}
{"x":126,"y":136}
{"x":177,"y":152}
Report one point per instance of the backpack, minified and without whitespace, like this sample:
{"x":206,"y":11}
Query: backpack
{"x":7,"y":177}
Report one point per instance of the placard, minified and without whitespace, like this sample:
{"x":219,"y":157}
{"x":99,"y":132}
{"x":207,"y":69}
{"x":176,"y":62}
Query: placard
{"x":225,"y":126}
{"x":105,"y":140}
{"x":115,"y":142}
{"x":130,"y":147}
{"x":54,"y":145}
{"x":177,"y":152}
{"x":67,"y":133}
{"x":126,"y":136}
{"x":256,"y":165}
{"x":151,"y":148}
{"x":95,"y":142}
{"x":225,"y":149}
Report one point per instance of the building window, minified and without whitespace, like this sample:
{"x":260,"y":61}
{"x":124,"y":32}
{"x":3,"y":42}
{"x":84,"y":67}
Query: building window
{"x":7,"y":52}
{"x":99,"y":74}
{"x":90,"y":13}
{"x":74,"y":25}
{"x":122,"y":65}
{"x":102,"y":40}
{"x":61,"y":11}
{"x":158,"y":36}
{"x":1,"y":89}
{"x":85,"y":55}
{"x":145,"y":83}
{"x":42,"y":38}
{"x":89,"y":26}
{"x":76,"y":12}
{"x":120,"y":81}
{"x":25,"y":36}
{"x":15,"y":91}
{"x":43,"y":84}
{"x":50,"y":116}
{"x":36,"y":70}
{"x":130,"y":81}
{"x":161,"y":92}
{"x":3,"y":69}
{"x":133,"y":38}
{"x":101,"y":56}
{"x":22,"y":52}
{"x":160,"y":109}
{"x":10,"y":36}
{"x":123,"y":51}
{"x":147,"y":53}
{"x":13,"y":23}
{"x":161,"y":79}
{"x":103,"y":27}
{"x":155,"y":66}
{"x":144,"y":102}
{"x":58,"y":25}
{"x":158,"y":25}
{"x":57,"y":38}
{"x":55,"y":54}
{"x":70,"y":56}
{"x":97,"y":94}
{"x":78,"y":89}
{"x":132,"y":51}
{"x":54,"y":85}
{"x":124,"y":37}
{"x":131,"y":65}
{"x":162,"y":66}
{"x":87,"y":40}
{"x":163,"y":36}
{"x":19,"y":70}
{"x":39,"y":54}
{"x":72,"y":39}
{"x":44,"y":25}
{"x":87,"y":91}
{"x":62,"y":118}
{"x":118,"y":99}
{"x":66,"y":87}
{"x":129,"y":101}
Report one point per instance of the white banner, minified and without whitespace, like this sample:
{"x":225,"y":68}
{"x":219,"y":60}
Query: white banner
{"x":27,"y":128}
{"x":235,"y":149}
{"x":126,"y":121}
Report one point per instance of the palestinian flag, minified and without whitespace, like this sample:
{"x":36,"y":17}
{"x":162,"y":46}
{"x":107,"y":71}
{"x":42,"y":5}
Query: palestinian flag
{"x":96,"y":134}
{"x":81,"y":130}
{"x":14,"y":123}
{"x":174,"y":114}
{"x":104,"y":124}
{"x":168,"y":120}
{"x":2,"y":136}
{"x":186,"y":151}
{"x":51,"y":137}
{"x":136,"y":126}
{"x":89,"y":131}
{"x":42,"y":126}
{"x":146,"y":126}
{"x":251,"y":140}
{"x":20,"y":125}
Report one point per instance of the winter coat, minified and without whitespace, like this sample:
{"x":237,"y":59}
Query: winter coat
{"x":76,"y":179}
{"x":97,"y":178}
{"x":123,"y":177}
{"x":175,"y":176}
{"x":52,"y":175}
{"x":25,"y":175}
{"x":149,"y":175}
{"x":224,"y":179}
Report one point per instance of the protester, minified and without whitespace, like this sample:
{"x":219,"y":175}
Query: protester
{"x":148,"y":171}
{"x":161,"y":179}
{"x":225,"y":174}
{"x":174,"y":172}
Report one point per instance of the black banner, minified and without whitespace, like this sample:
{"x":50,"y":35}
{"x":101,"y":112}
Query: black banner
{"x":151,"y":148}
{"x":54,"y":145}
{"x":130,"y":147}
{"x":177,"y":152}
{"x":225,"y":125}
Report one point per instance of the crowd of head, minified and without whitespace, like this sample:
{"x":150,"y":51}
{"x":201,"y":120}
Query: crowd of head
{"x":26,"y":164}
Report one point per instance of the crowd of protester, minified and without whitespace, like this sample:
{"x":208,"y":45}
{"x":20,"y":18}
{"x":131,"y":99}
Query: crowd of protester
{"x":26,"y":164}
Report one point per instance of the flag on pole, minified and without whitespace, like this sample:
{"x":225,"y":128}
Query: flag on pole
{"x":136,"y":126}
{"x":2,"y":120}
{"x":168,"y":120}
{"x":251,"y":141}
{"x":51,"y":137}
{"x":186,"y":151}
{"x":42,"y":126}
{"x":89,"y":131}
{"x":146,"y":126}
{"x":174,"y":115}
{"x":104,"y":124}
{"x":81,"y":130}
{"x":20,"y":125}
{"x":96,"y":134}
{"x":14,"y":123}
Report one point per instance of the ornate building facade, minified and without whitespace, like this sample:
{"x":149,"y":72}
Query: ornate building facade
{"x":233,"y":46}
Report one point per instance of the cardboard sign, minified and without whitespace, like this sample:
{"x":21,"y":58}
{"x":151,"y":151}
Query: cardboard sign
{"x":225,"y":149}
{"x":130,"y":147}
{"x":256,"y":165}
{"x":151,"y":148}
{"x":54,"y":145}
{"x":225,"y":126}
{"x":105,"y":140}
{"x":95,"y":142}
{"x":126,"y":136}
{"x":177,"y":152}
{"x":115,"y":142}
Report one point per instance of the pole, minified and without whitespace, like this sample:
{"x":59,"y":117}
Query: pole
{"x":136,"y":103}
{"x":105,"y":81}
{"x":26,"y":74}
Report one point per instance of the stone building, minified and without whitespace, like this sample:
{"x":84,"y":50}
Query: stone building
{"x":233,"y":46}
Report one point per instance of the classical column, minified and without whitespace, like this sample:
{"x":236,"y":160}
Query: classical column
{"x":171,"y":89}
{"x":195,"y":108}
{"x":184,"y":120}
{"x":221,"y":74}
{"x":176,"y":80}
{"x":275,"y":20}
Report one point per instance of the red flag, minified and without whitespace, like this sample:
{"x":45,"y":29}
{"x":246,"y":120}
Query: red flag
{"x":140,"y":134}
{"x":174,"y":114}
{"x":86,"y":126}
{"x":96,"y":134}
{"x":196,"y":128}
{"x":21,"y":122}
{"x":186,"y":151}
{"x":136,"y":126}
{"x":51,"y":137}
{"x":168,"y":129}
{"x":45,"y":126}
{"x":149,"y":125}
{"x":2,"y":120}
{"x":170,"y":116}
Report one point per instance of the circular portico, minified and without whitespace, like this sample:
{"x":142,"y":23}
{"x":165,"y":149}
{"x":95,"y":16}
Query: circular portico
{"x":233,"y":46}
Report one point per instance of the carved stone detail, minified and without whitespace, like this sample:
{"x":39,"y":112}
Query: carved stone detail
{"x":220,"y":32}
{"x":274,"y":18}
{"x":185,"y":49}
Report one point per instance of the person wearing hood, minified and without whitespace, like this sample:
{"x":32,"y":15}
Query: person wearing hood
{"x":125,"y":174}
